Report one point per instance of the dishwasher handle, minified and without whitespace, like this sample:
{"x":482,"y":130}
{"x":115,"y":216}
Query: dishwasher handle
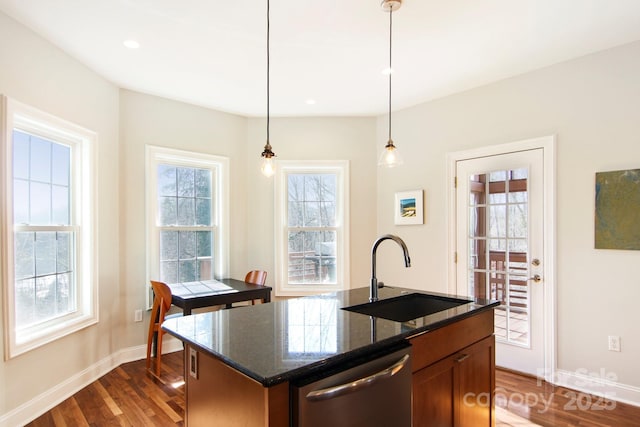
{"x":353,"y":386}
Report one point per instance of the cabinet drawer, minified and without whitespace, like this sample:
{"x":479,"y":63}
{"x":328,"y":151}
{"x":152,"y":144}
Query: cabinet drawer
{"x":442,"y":342}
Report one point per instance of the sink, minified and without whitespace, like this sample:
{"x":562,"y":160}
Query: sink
{"x":407,"y":307}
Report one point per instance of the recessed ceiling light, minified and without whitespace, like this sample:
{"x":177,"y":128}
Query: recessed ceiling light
{"x":131,"y":44}
{"x":310,"y":101}
{"x":387,"y":71}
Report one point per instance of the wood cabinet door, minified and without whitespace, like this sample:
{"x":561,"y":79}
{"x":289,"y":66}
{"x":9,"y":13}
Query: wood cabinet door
{"x":434,"y":393}
{"x":476,"y":377}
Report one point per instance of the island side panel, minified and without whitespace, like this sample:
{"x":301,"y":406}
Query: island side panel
{"x":221,"y":395}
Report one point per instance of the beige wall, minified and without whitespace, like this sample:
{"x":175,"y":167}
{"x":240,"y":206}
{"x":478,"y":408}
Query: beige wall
{"x":592,"y":106}
{"x":146,"y":119}
{"x":32,"y":71}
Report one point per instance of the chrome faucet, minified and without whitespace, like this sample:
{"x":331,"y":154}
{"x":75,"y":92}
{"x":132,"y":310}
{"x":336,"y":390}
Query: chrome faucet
{"x":373,"y":293}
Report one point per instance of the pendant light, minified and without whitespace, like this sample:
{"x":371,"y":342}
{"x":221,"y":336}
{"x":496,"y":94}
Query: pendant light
{"x":267,"y":168}
{"x":390,"y":156}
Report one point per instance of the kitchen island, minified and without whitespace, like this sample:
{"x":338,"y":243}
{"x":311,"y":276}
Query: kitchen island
{"x":241,"y":364}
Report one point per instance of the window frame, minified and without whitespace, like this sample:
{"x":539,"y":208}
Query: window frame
{"x":83,"y":222}
{"x":283,"y":170}
{"x":219,"y":166}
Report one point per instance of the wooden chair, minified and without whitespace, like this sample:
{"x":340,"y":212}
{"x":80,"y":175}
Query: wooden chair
{"x":256,"y":277}
{"x":161,"y":304}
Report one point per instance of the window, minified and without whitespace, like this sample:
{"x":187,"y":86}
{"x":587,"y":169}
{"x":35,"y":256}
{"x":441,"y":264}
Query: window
{"x":48,"y":217}
{"x":312,"y":220}
{"x":186,"y":196}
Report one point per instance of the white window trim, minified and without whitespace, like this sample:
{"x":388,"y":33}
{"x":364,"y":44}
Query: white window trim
{"x":84,"y":178}
{"x":283,"y":168}
{"x":220,"y":167}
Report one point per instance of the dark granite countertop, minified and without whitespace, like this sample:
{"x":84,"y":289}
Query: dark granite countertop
{"x":284,"y":340}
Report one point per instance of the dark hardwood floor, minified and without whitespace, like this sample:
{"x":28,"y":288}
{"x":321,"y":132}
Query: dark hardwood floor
{"x":129,"y":396}
{"x":547,"y":405}
{"x":126,"y":396}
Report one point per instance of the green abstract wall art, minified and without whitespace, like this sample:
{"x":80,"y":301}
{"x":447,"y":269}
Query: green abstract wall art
{"x":617,"y":222}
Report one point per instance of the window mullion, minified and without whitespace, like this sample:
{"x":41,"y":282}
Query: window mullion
{"x":314,"y":228}
{"x":186,"y":227}
{"x":43,"y":228}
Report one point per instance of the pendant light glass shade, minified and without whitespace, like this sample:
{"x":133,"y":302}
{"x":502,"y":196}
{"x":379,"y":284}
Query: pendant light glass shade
{"x":267,"y":167}
{"x":390,"y":157}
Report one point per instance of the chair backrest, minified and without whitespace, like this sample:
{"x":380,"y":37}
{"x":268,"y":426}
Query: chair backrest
{"x":256,"y":277}
{"x":162,"y":293}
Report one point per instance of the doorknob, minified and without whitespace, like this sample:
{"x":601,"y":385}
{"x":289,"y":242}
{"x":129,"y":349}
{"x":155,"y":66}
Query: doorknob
{"x":536,"y":278}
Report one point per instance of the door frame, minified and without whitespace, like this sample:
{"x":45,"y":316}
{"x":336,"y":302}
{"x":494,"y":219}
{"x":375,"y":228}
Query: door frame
{"x":548,"y":146}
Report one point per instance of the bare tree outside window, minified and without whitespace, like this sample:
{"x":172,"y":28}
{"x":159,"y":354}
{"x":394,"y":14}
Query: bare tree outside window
{"x":311,"y":216}
{"x":44,"y":246}
{"x":185,"y":219}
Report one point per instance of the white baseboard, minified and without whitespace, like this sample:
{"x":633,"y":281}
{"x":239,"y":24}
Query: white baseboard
{"x":598,"y":385}
{"x":42,"y":403}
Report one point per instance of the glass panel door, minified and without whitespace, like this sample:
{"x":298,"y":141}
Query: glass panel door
{"x":499,"y":241}
{"x":498,"y":246}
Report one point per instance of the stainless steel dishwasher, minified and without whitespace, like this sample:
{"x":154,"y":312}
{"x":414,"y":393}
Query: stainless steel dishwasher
{"x":367,"y":392}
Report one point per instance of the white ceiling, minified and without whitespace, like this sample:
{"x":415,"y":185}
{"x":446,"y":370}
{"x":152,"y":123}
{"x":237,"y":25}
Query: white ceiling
{"x":213,"y":53}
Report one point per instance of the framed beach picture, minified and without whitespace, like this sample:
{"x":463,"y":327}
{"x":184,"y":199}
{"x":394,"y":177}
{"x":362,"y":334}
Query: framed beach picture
{"x":408,"y":208}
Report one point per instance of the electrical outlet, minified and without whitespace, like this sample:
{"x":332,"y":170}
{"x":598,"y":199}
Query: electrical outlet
{"x":614,"y":343}
{"x":137,"y":317}
{"x":193,"y":362}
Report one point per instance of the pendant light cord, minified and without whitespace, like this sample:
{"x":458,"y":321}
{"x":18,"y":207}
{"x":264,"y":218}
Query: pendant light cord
{"x":390,"y":69}
{"x":268,"y":28}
